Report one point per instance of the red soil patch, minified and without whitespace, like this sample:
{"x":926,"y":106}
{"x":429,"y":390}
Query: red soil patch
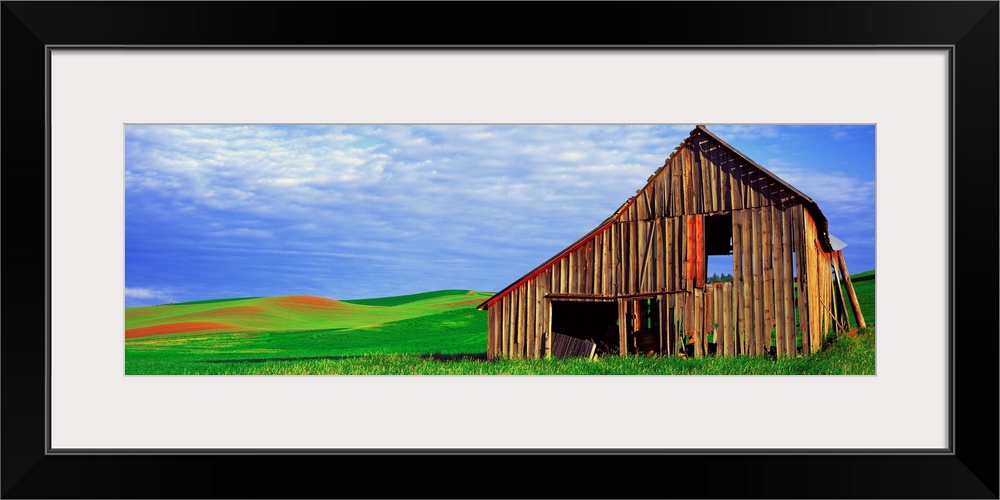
{"x":471,"y":302}
{"x":183,"y":327}
{"x":307,"y":302}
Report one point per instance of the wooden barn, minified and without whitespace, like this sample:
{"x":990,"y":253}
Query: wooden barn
{"x":636,"y":284}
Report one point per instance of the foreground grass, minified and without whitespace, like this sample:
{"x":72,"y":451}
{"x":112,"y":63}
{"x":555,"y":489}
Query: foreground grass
{"x":846,"y":355}
{"x":451,"y":334}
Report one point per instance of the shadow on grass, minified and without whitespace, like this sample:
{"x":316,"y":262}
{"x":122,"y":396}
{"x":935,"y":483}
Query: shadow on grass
{"x":479,"y":356}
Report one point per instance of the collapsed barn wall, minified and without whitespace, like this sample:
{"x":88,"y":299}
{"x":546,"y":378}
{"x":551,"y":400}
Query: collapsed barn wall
{"x":653,"y":249}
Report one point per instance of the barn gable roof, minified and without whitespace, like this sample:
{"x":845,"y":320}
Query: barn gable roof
{"x":810,"y":205}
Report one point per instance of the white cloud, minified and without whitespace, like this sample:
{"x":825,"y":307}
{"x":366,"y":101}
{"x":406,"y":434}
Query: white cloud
{"x":144,"y":293}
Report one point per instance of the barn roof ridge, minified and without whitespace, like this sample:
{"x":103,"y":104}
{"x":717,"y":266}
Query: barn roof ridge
{"x":821,"y":221}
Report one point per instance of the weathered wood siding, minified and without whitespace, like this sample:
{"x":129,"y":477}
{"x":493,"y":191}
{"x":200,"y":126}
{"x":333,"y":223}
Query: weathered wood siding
{"x":654,"y":245}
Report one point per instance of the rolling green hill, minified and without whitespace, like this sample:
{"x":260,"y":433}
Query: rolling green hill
{"x":195,"y":337}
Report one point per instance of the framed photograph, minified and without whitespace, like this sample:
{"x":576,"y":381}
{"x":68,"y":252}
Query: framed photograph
{"x":107,"y":107}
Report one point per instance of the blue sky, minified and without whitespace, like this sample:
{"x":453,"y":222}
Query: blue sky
{"x":344,"y":212}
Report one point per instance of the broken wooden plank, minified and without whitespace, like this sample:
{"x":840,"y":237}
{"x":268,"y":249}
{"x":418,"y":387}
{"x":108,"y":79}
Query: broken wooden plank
{"x":850,"y":291}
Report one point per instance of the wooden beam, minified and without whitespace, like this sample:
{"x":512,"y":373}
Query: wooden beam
{"x":850,"y":291}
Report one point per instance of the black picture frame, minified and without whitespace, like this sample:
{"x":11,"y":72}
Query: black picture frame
{"x":969,"y":470}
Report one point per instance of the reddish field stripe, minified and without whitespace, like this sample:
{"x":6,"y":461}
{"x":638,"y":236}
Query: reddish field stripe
{"x":307,"y":301}
{"x":183,"y":327}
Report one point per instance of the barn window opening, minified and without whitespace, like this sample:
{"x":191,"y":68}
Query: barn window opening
{"x":719,"y":266}
{"x":593,"y":321}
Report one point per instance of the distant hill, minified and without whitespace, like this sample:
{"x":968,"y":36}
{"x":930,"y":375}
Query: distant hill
{"x":418,"y":297}
{"x":289,"y":313}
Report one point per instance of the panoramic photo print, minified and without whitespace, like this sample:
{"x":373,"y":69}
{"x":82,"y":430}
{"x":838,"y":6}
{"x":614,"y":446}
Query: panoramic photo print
{"x":691,"y":249}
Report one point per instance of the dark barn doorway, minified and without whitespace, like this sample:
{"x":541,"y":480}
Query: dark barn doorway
{"x":643,"y":326}
{"x":593,"y":321}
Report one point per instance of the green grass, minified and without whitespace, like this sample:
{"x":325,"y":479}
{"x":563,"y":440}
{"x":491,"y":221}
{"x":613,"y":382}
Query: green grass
{"x":435,"y":333}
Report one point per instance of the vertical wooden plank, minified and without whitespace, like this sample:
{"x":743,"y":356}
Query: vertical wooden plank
{"x":548,"y":327}
{"x":519,"y":312}
{"x":702,"y":184}
{"x":665,"y":189}
{"x":787,"y":280}
{"x":564,"y":274}
{"x":697,"y":313}
{"x":699,"y":257}
{"x":511,"y":325}
{"x":659,"y":256}
{"x":692,"y":251}
{"x":675,"y":318}
{"x":490,"y":332}
{"x":665,"y":318}
{"x":708,"y":325}
{"x":556,"y":279}
{"x":855,"y":306}
{"x":653,"y":254}
{"x":623,"y":248}
{"x":612,"y":261}
{"x":727,"y":320}
{"x":753,"y":252}
{"x":740,"y":341}
{"x":642,"y":254}
{"x":832,"y":317}
{"x":748,"y":280}
{"x":633,"y":255}
{"x":588,"y":264}
{"x":529,"y":320}
{"x":842,"y":304}
{"x":540,"y":317}
{"x":777,"y":282}
{"x":725,"y":193}
{"x":583,"y":268}
{"x":575,"y":272}
{"x":824,"y":264}
{"x":812,"y":282}
{"x":737,"y":187}
{"x":606,"y":265}
{"x":823,"y":271}
{"x":679,"y":243}
{"x":679,"y":304}
{"x":689,"y":193}
{"x":720,"y":333}
{"x":508,"y":341}
{"x":622,"y":332}
{"x":710,"y":172}
{"x":763,"y":327}
{"x":767,"y":254}
{"x":803,"y":298}
{"x":498,"y":328}
{"x":595,"y":265}
{"x":516,"y":331}
{"x":668,"y":251}
{"x":640,"y":205}
{"x":500,"y":341}
{"x":676,"y":195}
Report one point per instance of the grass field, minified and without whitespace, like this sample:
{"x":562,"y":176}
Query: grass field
{"x":434,"y":333}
